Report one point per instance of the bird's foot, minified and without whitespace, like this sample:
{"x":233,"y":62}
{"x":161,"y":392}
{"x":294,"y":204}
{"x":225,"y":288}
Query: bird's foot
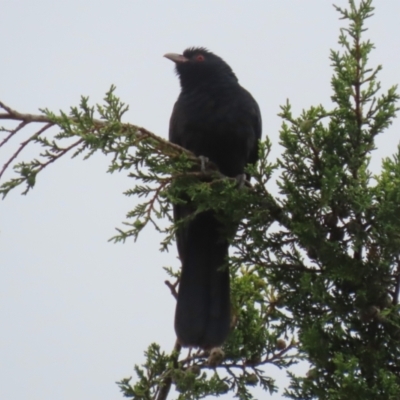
{"x":241,"y":180}
{"x":204,"y":160}
{"x":216,"y":357}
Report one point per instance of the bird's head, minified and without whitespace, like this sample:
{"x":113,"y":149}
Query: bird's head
{"x":198,"y":66}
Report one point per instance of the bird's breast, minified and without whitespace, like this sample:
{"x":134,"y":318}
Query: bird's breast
{"x":217,"y":127}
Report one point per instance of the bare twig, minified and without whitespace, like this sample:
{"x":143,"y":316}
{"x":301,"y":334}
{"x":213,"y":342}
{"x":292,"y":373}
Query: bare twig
{"x":23,"y":145}
{"x":13,"y":132}
{"x":17,"y":116}
{"x":172,"y":288}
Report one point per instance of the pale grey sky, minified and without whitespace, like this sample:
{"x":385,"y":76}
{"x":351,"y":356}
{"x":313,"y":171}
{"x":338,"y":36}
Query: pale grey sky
{"x":77,"y":312}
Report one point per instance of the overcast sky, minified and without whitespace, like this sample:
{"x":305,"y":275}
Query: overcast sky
{"x":77,"y":312}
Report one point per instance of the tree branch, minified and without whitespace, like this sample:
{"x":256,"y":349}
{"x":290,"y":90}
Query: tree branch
{"x":165,"y":386}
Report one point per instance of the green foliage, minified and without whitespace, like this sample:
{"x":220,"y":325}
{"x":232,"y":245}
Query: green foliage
{"x":315,"y":271}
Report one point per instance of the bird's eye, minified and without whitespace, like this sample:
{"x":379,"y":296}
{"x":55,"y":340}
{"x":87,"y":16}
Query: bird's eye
{"x":200,"y":57}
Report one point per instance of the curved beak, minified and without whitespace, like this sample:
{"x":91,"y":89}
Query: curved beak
{"x":176,"y":58}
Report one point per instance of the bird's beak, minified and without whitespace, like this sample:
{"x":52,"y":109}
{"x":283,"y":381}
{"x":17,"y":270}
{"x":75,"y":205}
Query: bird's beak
{"x":176,"y":58}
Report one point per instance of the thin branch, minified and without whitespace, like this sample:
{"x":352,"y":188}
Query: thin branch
{"x":13,"y":132}
{"x":199,"y":354}
{"x":267,"y":360}
{"x":165,"y":386}
{"x":28,"y":118}
{"x":172,"y":288}
{"x":166,"y":142}
{"x":23,"y":145}
{"x":17,"y":116}
{"x":295,"y":267}
{"x":60,"y":154}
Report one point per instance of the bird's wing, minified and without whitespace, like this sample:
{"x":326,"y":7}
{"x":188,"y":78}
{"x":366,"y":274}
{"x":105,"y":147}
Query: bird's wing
{"x":175,"y":134}
{"x":257,"y":129}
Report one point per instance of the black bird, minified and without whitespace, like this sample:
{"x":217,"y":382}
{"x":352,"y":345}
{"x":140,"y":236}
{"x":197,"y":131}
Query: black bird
{"x":214,"y":117}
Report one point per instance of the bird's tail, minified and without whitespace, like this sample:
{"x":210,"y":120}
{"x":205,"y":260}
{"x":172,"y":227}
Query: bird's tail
{"x":202,"y":317}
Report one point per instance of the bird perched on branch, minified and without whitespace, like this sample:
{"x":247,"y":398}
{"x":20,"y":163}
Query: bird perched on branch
{"x":215,"y":118}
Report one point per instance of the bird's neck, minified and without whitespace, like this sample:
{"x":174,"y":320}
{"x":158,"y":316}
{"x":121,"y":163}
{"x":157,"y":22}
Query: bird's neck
{"x":220,"y":86}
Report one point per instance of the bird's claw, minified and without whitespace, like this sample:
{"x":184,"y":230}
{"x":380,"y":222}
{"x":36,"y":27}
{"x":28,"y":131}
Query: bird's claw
{"x":216,"y":357}
{"x":241,"y":180}
{"x":203,"y":160}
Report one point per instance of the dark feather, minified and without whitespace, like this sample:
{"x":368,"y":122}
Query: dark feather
{"x":213,"y":117}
